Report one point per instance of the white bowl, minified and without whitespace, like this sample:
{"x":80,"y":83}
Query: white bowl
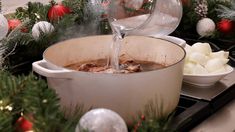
{"x":206,"y":80}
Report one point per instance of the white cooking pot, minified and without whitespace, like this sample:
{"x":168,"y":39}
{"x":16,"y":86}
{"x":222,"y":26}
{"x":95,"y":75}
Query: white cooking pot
{"x":127,"y":94}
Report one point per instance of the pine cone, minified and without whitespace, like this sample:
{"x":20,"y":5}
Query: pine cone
{"x":201,"y":8}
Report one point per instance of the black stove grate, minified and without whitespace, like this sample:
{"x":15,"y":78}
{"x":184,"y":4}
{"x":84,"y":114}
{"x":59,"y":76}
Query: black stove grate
{"x":189,"y":113}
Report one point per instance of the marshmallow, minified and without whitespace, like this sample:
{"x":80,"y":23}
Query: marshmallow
{"x":221,"y":70}
{"x":198,"y":69}
{"x":201,"y":60}
{"x":203,"y":48}
{"x":188,"y":49}
{"x":197,"y":57}
{"x":220,"y":54}
{"x":188,"y":67}
{"x":215,"y":64}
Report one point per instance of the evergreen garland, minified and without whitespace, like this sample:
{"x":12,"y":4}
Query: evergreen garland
{"x":21,"y":49}
{"x":30,"y":96}
{"x":187,"y":27}
{"x":151,"y":121}
{"x":227,"y":12}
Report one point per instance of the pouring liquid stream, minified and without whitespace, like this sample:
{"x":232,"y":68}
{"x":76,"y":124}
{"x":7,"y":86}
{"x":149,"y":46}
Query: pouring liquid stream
{"x":115,"y":49}
{"x":161,"y":25}
{"x":120,"y":29}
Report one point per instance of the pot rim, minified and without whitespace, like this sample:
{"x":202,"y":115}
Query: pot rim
{"x":75,"y":71}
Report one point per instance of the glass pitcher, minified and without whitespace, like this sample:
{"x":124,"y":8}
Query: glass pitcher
{"x":163,"y":20}
{"x":141,"y":17}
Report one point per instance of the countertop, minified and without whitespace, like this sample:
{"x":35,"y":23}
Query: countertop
{"x":224,"y":119}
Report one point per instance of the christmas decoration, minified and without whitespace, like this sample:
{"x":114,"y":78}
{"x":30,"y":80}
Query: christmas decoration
{"x":29,"y":94}
{"x":225,"y":26}
{"x":205,"y":27}
{"x":57,"y":11}
{"x":226,"y":12}
{"x":201,"y":8}
{"x":13,"y":23}
{"x":3,"y":26}
{"x":101,"y":120}
{"x":136,"y":127}
{"x":134,"y":4}
{"x":24,"y":125}
{"x":27,"y":49}
{"x":41,"y":28}
{"x":146,"y":122}
{"x":186,"y":2}
{"x":216,"y":10}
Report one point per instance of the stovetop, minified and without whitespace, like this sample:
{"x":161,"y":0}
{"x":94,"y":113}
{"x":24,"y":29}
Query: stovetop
{"x":196,"y":104}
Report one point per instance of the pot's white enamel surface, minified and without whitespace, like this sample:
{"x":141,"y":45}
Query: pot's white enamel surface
{"x":126,"y":94}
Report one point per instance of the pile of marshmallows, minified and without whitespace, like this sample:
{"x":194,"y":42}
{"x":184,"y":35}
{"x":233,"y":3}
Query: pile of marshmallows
{"x":201,"y":60}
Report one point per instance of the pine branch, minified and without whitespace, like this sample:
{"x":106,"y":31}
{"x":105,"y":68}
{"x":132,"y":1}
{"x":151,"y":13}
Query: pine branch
{"x":6,"y":121}
{"x":187,"y":26}
{"x":39,"y":104}
{"x":212,"y":6}
{"x":8,"y":89}
{"x":35,"y":11}
{"x":226,"y":12}
{"x":21,"y":49}
{"x":77,"y":7}
{"x":153,"y":118}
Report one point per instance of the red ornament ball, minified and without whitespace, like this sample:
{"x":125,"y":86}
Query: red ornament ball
{"x":142,"y":117}
{"x":13,"y":23}
{"x":24,"y":125}
{"x":57,"y":11}
{"x":225,"y":26}
{"x":186,"y":2}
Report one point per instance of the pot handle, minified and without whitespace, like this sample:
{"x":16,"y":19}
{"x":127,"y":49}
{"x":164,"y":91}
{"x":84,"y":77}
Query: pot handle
{"x":40,"y":68}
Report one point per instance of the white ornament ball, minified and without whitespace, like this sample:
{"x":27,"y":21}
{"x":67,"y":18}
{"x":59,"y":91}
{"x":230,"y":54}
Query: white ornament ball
{"x":42,"y":27}
{"x":3,"y":27}
{"x":101,"y":120}
{"x":205,"y":27}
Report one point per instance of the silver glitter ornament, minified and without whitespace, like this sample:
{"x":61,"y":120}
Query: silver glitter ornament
{"x":101,"y":120}
{"x":42,"y":27}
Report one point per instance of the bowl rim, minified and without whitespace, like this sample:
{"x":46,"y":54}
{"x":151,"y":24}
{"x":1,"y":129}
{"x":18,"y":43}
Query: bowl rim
{"x":228,"y":67}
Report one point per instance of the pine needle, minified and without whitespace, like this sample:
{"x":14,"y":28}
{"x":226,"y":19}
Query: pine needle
{"x":227,"y":12}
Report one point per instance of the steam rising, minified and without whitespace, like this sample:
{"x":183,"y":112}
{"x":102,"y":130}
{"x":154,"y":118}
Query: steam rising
{"x":93,"y":11}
